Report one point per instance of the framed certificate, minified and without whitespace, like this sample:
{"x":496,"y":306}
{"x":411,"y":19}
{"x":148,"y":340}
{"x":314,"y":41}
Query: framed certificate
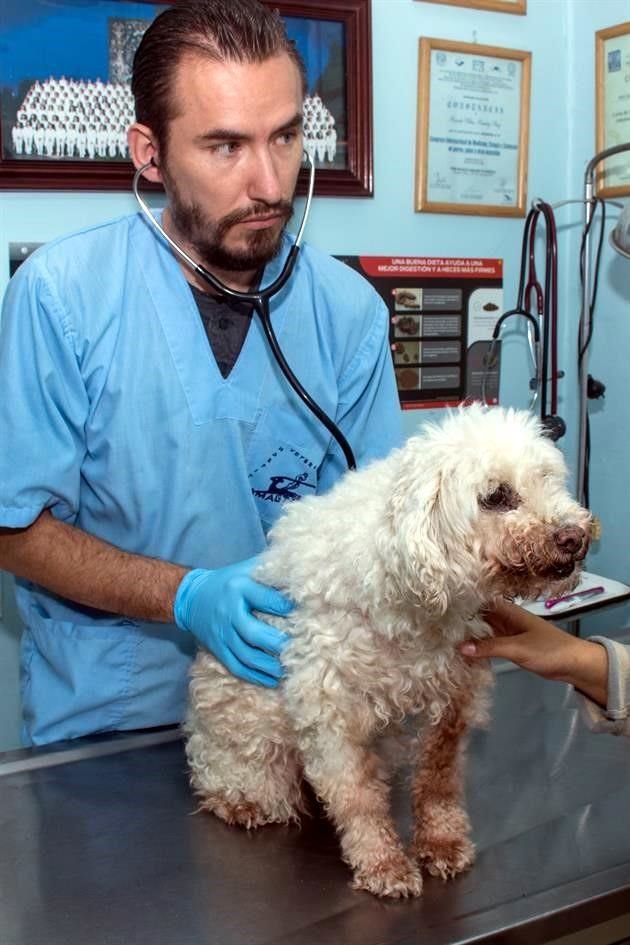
{"x":612,"y":108}
{"x":499,"y":6}
{"x":472,"y":129}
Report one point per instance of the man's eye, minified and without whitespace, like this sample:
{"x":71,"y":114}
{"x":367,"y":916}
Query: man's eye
{"x":288,"y":136}
{"x":501,"y":499}
{"x":225,"y":147}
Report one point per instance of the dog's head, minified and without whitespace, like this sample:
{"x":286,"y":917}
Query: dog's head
{"x":480,"y":509}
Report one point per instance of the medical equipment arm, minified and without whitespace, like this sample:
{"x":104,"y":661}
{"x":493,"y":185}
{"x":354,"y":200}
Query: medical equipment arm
{"x":216,"y":606}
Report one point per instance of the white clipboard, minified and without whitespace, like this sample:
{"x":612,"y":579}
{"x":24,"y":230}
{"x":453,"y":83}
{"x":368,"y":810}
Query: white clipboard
{"x":585,"y":597}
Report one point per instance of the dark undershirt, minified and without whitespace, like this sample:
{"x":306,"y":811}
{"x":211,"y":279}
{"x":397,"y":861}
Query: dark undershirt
{"x":226,"y":324}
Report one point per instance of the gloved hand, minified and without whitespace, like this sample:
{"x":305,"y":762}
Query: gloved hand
{"x":216,"y":606}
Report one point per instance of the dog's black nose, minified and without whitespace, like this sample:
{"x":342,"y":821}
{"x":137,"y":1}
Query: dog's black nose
{"x":570,"y":538}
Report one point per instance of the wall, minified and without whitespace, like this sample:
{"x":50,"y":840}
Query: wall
{"x":560,"y":35}
{"x":610,"y":349}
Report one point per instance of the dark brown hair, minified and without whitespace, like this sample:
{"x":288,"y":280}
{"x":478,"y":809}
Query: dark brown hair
{"x":220,"y":30}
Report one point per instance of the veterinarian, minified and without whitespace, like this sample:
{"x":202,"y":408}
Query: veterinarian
{"x":597,"y":667}
{"x":150,"y":430}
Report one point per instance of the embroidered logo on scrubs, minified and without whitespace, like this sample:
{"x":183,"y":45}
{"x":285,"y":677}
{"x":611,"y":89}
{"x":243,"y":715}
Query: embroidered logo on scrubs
{"x":282,"y":487}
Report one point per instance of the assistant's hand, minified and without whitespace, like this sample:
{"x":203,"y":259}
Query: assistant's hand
{"x":524,"y":639}
{"x":542,"y":648}
{"x":216,"y":606}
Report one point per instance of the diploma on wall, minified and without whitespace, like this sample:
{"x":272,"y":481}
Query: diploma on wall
{"x":473,"y":129}
{"x":612,"y":81}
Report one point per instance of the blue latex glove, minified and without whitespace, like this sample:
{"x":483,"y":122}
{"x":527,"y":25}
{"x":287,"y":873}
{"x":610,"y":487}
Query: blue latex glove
{"x":216,"y":606}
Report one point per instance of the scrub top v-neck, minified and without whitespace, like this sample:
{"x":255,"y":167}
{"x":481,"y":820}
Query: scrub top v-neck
{"x":226,"y":323}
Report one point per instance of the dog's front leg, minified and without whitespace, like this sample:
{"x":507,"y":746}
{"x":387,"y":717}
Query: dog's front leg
{"x":347,"y":778}
{"x":441,"y":840}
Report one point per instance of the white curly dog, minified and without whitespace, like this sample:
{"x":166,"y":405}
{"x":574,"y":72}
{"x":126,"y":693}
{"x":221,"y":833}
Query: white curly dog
{"x":389,"y":571}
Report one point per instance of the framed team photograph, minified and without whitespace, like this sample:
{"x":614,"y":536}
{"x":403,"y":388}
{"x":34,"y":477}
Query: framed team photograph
{"x":472,"y":129}
{"x":66,"y":103}
{"x":334,"y":38}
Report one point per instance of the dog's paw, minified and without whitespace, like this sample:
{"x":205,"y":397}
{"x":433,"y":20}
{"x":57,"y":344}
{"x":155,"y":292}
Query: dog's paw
{"x":396,"y":877}
{"x":246,"y":813}
{"x":441,"y":843}
{"x":444,"y":856}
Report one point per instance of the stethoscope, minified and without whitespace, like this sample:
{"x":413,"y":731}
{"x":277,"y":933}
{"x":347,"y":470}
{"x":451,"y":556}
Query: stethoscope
{"x":259,"y":299}
{"x":546,"y":314}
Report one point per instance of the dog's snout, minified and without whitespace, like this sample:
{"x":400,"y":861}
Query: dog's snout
{"x":570,"y":538}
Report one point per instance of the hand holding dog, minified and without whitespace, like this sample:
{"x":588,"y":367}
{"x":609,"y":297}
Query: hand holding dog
{"x":542,"y":648}
{"x":216,"y":606}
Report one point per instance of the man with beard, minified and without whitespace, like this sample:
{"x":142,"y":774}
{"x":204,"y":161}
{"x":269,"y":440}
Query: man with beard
{"x":147,"y":420}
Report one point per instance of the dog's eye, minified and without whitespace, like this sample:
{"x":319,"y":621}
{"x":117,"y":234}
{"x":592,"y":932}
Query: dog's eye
{"x":501,"y":499}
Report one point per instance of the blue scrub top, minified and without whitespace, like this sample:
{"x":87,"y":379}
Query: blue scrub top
{"x":115,"y":416}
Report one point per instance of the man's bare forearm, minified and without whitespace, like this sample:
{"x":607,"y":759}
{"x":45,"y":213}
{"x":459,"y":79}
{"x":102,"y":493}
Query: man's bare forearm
{"x":84,"y":569}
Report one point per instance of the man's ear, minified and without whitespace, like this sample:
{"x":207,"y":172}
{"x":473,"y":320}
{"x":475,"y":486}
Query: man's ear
{"x":143,"y":149}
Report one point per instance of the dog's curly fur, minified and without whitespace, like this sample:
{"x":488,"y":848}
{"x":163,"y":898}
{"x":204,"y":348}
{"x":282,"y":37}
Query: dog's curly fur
{"x":389,"y":572}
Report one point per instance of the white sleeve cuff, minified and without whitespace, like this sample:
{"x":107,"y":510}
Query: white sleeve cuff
{"x":618,"y":677}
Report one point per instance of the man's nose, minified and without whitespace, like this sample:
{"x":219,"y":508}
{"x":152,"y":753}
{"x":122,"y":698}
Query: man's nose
{"x":265,"y":182}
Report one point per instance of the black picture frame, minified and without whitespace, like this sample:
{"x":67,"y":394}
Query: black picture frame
{"x":355,"y":179}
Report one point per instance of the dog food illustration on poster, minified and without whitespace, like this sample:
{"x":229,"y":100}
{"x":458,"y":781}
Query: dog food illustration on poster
{"x":442,"y":312}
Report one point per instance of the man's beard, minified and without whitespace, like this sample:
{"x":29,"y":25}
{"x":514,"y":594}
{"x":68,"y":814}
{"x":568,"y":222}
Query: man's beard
{"x":207,"y":237}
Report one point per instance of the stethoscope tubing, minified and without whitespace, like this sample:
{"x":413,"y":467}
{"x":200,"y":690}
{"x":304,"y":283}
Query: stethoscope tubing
{"x":259,"y":300}
{"x":546,"y":307}
{"x":205,"y":274}
{"x":520,"y":311}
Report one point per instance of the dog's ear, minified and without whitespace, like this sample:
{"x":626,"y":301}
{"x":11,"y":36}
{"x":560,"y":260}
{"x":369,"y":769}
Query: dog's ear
{"x":426,"y":549}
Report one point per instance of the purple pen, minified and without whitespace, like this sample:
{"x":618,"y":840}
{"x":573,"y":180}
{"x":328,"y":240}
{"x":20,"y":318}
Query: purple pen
{"x":587,"y":592}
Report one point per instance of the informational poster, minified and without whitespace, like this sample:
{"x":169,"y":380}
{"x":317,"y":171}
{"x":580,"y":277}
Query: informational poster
{"x":442,"y":312}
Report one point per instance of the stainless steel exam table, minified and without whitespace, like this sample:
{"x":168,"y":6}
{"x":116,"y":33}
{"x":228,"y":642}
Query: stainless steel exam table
{"x":99,"y":846}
